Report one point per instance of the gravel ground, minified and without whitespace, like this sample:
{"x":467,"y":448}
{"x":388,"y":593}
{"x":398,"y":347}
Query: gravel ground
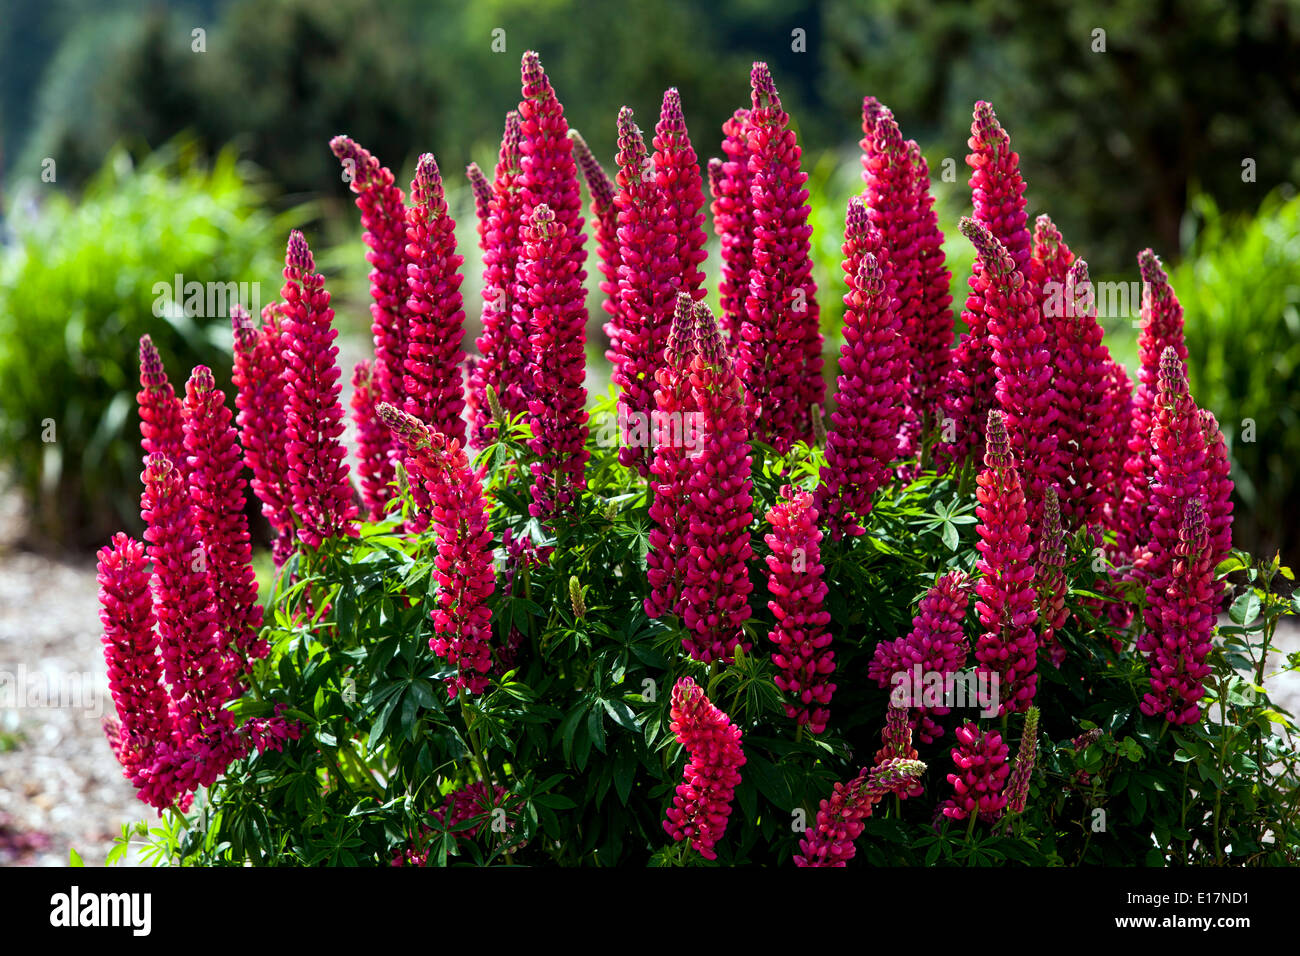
{"x":60,"y":786}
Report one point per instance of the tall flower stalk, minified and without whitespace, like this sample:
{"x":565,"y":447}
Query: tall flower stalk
{"x":161,"y":418}
{"x":702,"y":803}
{"x":730,"y":184}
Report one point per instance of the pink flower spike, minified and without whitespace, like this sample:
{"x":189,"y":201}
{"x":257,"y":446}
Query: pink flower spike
{"x":161,"y":429}
{"x":839,"y":819}
{"x":702,"y":803}
{"x":981,"y":775}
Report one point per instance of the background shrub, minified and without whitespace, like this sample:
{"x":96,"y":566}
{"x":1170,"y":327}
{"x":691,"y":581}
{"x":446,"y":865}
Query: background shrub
{"x":76,"y":293}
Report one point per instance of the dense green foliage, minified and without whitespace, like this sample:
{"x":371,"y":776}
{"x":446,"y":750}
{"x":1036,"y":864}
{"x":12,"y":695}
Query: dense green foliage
{"x":577,"y":731}
{"x":1240,"y":291}
{"x":79,"y":286}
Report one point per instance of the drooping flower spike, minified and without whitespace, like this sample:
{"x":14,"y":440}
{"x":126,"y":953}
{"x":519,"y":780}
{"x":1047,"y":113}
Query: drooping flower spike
{"x":839,"y":819}
{"x":702,"y":803}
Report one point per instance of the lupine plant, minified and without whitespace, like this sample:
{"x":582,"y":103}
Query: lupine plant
{"x":636,"y":618}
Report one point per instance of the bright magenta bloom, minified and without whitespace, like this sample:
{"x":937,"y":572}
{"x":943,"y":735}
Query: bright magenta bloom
{"x":839,"y":819}
{"x":1007,"y":598}
{"x":794,"y":579}
{"x":503,"y":346}
{"x":702,"y":803}
{"x":558,"y":338}
{"x":1180,"y":589}
{"x":482,"y":190}
{"x":675,"y":442}
{"x":936,"y":644}
{"x":433,"y":388}
{"x":997,"y":190}
{"x":1087,"y":423}
{"x":604,"y":215}
{"x":1021,"y":366}
{"x":260,"y":397}
{"x":217,"y":510}
{"x":1050,"y":575}
{"x":318,"y":477}
{"x":1162,"y":328}
{"x":131,"y":653}
{"x":1049,"y":261}
{"x":715,"y":595}
{"x":730,"y":184}
{"x":982,"y":771}
{"x":465,"y":573}
{"x":1218,"y":490}
{"x":160,"y":410}
{"x":373,"y":441}
{"x":648,"y":277}
{"x":872,"y":386}
{"x":779,"y":349}
{"x":678,"y":181}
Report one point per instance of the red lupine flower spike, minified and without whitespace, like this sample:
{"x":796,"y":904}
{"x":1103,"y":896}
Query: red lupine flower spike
{"x":717,"y":586}
{"x":131,"y":653}
{"x":1017,"y":788}
{"x":373,"y":440}
{"x":259,"y":379}
{"x":730,"y":184}
{"x":839,"y":819}
{"x":779,"y":349}
{"x":1218,"y":490}
{"x":871,"y":394}
{"x":674,"y":441}
{"x":677,"y":176}
{"x":558,"y":339}
{"x":1051,"y":258}
{"x":466,"y":578}
{"x":982,"y":767}
{"x":1021,"y":365}
{"x":217,"y":509}
{"x":161,"y":431}
{"x":504,"y":352}
{"x":1181,"y":592}
{"x":1050,"y":575}
{"x":648,"y":276}
{"x":318,"y":476}
{"x":933,"y":336}
{"x":1006,"y":605}
{"x":794,"y":580}
{"x":482,"y":190}
{"x":604,"y":214}
{"x":702,"y":803}
{"x":433,"y":386}
{"x":935,"y":644}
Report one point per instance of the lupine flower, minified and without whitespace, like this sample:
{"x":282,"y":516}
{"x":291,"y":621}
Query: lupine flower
{"x":891,"y":199}
{"x":677,"y":177}
{"x":730,"y":184}
{"x":482,"y":190}
{"x":779,"y":349}
{"x":997,"y":190}
{"x":476,"y":799}
{"x":462,"y":620}
{"x":896,"y":741}
{"x":1162,"y":328}
{"x":1049,"y":261}
{"x":1086,"y":425}
{"x":1181,"y":595}
{"x":982,"y":771}
{"x":1218,"y":489}
{"x":674,"y":438}
{"x":259,"y":380}
{"x":1006,"y":604}
{"x":503,"y":346}
{"x":604,"y":214}
{"x":1017,"y":788}
{"x":160,"y":410}
{"x":373,"y":441}
{"x":839,"y":819}
{"x":794,"y":580}
{"x":716,"y":587}
{"x":558,"y":338}
{"x":318,"y":476}
{"x":871,"y":388}
{"x":131,"y":654}
{"x":936,"y":644}
{"x":1050,"y":560}
{"x":648,"y":275}
{"x":217,"y":510}
{"x":1021,"y":365}
{"x":433,"y":388}
{"x":383,"y":217}
{"x":702,"y":803}
{"x":933,"y":336}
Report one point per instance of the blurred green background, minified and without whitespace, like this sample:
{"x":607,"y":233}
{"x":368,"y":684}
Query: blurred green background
{"x":1173,"y":125}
